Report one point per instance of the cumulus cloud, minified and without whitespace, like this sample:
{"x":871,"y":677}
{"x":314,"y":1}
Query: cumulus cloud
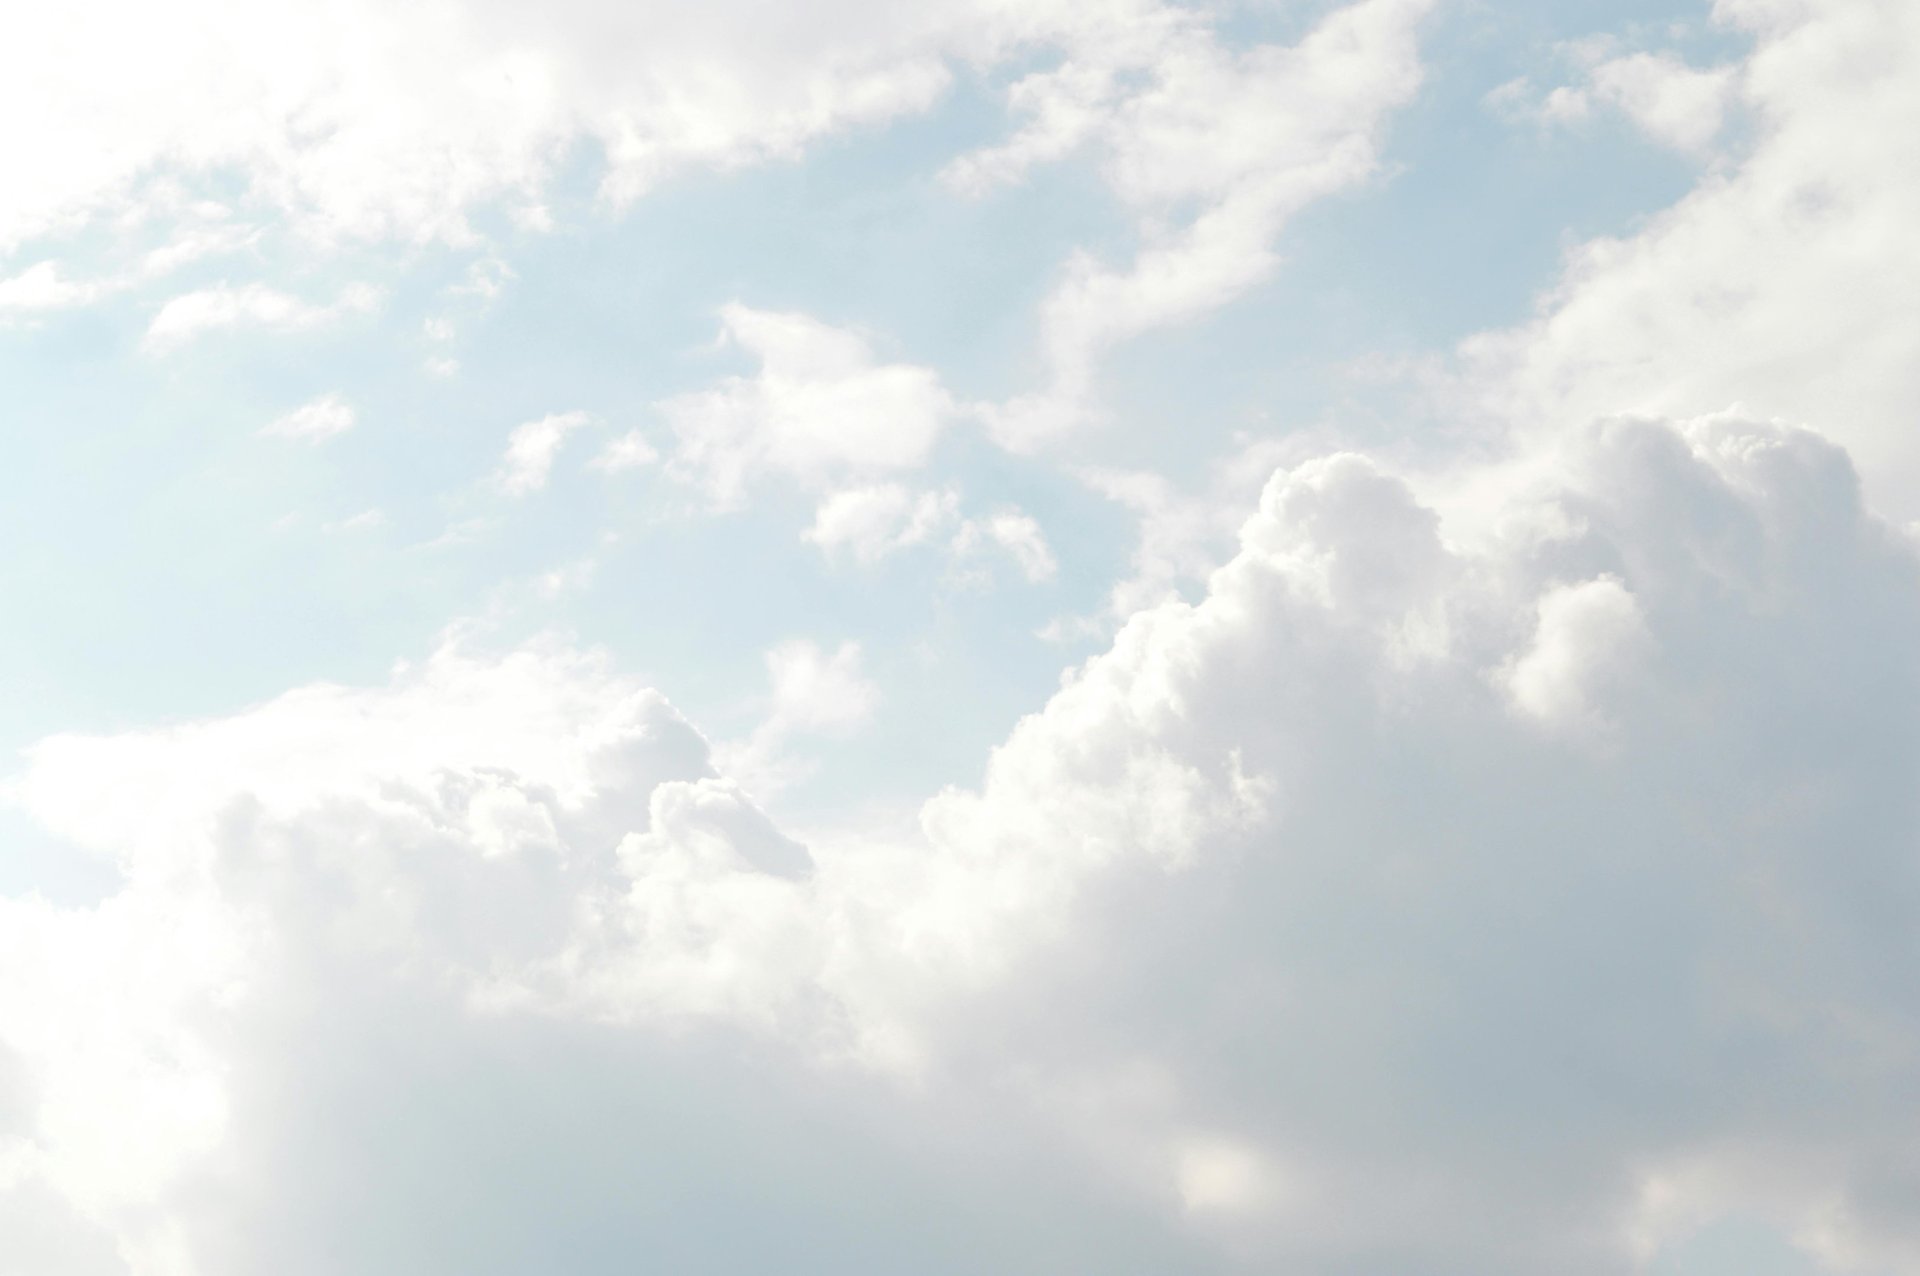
{"x":816,"y":692}
{"x":1212,"y":150}
{"x":1305,"y":928}
{"x":1781,"y":284}
{"x":871,"y":523}
{"x":314,"y":421}
{"x":327,"y":116}
{"x":533,"y":448}
{"x":811,"y":693}
{"x":1676,"y":104}
{"x":1182,"y":533}
{"x":44,"y":286}
{"x":820,"y":410}
{"x":630,"y":451}
{"x":1587,"y":633}
{"x":1018,"y":535}
{"x":41,"y":287}
{"x":1501,"y":870}
{"x":194,"y":314}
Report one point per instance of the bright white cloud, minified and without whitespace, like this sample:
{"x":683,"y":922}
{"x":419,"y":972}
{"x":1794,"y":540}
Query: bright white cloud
{"x":630,"y":451}
{"x":40,"y":287}
{"x":1181,"y":535}
{"x":1501,"y":868}
{"x":194,"y":314}
{"x":811,"y":694}
{"x":1782,"y":285}
{"x":1018,"y":535}
{"x":533,"y":448}
{"x":820,"y":410}
{"x":1212,"y":150}
{"x":1677,"y":105}
{"x":1278,"y":921}
{"x":43,"y":286}
{"x":815,"y":692}
{"x":328,"y":116}
{"x":1587,"y":633}
{"x":873,"y":522}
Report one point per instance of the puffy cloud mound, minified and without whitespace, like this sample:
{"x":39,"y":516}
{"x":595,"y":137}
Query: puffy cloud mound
{"x":1781,"y":281}
{"x":1417,"y":900}
{"x":821,"y":409}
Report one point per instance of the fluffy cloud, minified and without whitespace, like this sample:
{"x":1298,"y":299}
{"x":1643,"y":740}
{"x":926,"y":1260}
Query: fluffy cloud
{"x":821,"y":409}
{"x":533,"y":448}
{"x":1487,"y":898}
{"x":874,"y":521}
{"x":1019,"y":536}
{"x":1676,"y":104}
{"x":630,"y":451}
{"x":41,"y":287}
{"x":1212,"y":150}
{"x":1586,"y":631}
{"x":325,"y":118}
{"x":194,"y":314}
{"x":1781,"y":284}
{"x":45,"y":286}
{"x":314,"y":421}
{"x":328,"y":115}
{"x":810,"y":694}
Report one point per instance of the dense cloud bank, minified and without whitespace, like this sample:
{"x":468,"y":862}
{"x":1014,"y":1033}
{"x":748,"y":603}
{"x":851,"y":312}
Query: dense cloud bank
{"x":1502,"y":899}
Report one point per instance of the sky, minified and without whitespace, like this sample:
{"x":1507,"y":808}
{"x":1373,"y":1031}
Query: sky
{"x":1076,"y":636}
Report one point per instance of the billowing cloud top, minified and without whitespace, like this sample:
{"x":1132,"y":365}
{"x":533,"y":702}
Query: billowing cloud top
{"x":649,"y":637}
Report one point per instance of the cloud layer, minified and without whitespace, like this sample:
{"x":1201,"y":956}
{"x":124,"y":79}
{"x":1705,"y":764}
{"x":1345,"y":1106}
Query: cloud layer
{"x":1481,"y":906}
{"x":1486,"y":849}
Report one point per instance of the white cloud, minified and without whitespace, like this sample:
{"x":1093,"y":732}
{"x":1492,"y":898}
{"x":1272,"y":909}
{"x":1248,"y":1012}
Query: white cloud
{"x":1182,"y":535}
{"x":873,"y":522}
{"x":210,"y":235}
{"x":1781,"y":284}
{"x":1676,"y":104}
{"x":630,"y":451}
{"x":1018,"y":535}
{"x":42,"y":287}
{"x":532,"y":449}
{"x":314,"y":421}
{"x":1501,"y":884}
{"x":820,"y":410}
{"x":366,"y":520}
{"x":815,"y":692}
{"x":328,"y":116}
{"x":569,"y":578}
{"x":194,"y":314}
{"x":1587,"y":632}
{"x":1212,"y":151}
{"x":811,"y":694}
{"x":1278,"y":933}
